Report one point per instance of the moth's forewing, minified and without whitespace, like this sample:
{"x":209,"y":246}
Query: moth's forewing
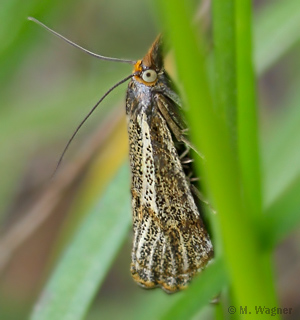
{"x":170,"y":242}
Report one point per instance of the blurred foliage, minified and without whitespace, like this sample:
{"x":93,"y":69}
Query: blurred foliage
{"x":47,"y":87}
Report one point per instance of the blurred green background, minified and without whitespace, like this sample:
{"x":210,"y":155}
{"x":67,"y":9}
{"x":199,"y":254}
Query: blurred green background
{"x":47,"y":87}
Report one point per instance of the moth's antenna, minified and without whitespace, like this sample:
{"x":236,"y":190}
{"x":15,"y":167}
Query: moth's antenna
{"x":86,"y":117}
{"x":78,"y":46}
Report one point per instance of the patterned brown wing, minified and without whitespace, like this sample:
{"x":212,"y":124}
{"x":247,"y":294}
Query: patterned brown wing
{"x":170,"y":243}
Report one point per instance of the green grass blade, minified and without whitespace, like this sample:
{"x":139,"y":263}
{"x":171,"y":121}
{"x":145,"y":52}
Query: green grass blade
{"x":241,"y":247}
{"x":89,"y":256}
{"x":224,"y":64}
{"x":276,"y":31}
{"x":247,"y":112}
{"x":281,"y":152}
{"x":282,"y":171}
{"x":283,"y":216}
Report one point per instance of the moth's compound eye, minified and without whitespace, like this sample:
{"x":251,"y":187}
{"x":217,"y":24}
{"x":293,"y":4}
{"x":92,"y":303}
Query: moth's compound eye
{"x":149,"y":75}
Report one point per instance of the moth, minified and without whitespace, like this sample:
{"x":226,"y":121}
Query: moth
{"x":170,"y":243}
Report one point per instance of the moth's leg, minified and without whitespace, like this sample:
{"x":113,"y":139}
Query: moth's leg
{"x":184,"y":153}
{"x":201,"y":197}
{"x":185,"y":131}
{"x":186,"y":160}
{"x":216,"y":299}
{"x":188,"y":143}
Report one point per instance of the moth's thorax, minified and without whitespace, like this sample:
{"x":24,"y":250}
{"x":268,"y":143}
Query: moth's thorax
{"x":143,"y":94}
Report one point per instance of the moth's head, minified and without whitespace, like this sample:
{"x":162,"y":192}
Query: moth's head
{"x":150,"y":67}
